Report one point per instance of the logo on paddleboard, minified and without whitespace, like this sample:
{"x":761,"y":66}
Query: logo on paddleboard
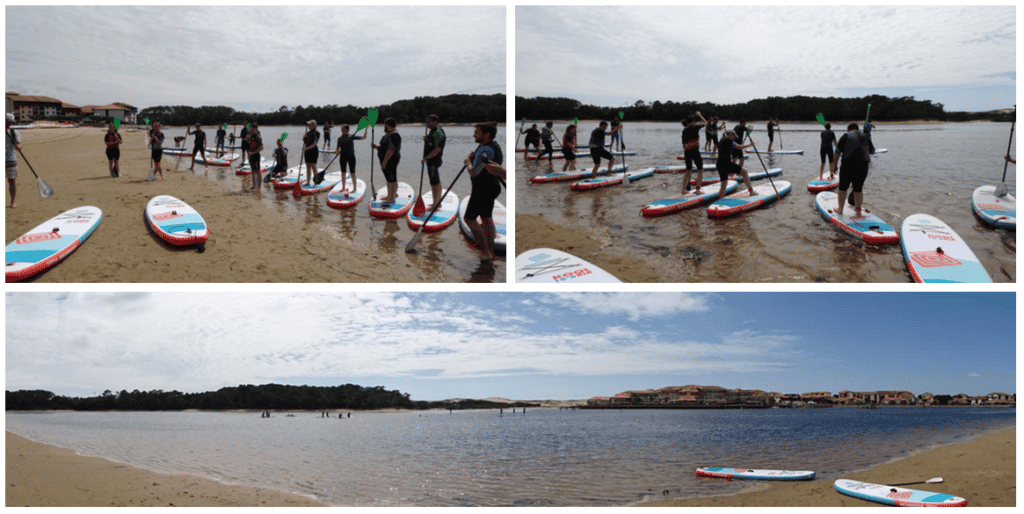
{"x":933,"y":259}
{"x":164,"y":216}
{"x":901,"y":495}
{"x":37,"y":238}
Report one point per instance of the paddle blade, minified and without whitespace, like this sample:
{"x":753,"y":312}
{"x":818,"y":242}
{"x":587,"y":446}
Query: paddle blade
{"x":821,"y":119}
{"x":363,"y":123}
{"x":621,"y":115}
{"x":152,"y":175}
{"x":576,"y":121}
{"x":1001,"y":190}
{"x":284,"y":135}
{"x":146,"y":120}
{"x":45,"y":190}
{"x":372,"y":115}
{"x":117,"y":123}
{"x":420,"y":208}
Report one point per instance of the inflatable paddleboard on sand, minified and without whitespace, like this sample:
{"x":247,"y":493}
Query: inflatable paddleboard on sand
{"x":498,"y":216}
{"x":867,"y":227}
{"x":176,"y":222}
{"x":404,"y":198}
{"x":1000,"y":212}
{"x":44,"y":246}
{"x":548,"y":266}
{"x":897,"y":496}
{"x":343,"y":200}
{"x":935,"y":253}
{"x":444,"y":216}
{"x":755,"y":474}
{"x":687,"y":201}
{"x":581,"y":172}
{"x":742,"y":201}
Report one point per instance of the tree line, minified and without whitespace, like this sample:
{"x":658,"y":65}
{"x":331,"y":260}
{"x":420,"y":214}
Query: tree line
{"x":449,"y":108}
{"x":792,"y":109}
{"x":242,"y":397}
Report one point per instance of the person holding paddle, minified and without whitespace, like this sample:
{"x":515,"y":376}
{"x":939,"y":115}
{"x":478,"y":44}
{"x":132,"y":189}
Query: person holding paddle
{"x":310,"y":151}
{"x":569,"y":147}
{"x":253,"y":150}
{"x":691,"y":151}
{"x":113,"y":141}
{"x":532,"y":138}
{"x":828,"y":144}
{"x":199,"y":147}
{"x":485,"y":170}
{"x":726,"y":167}
{"x":854,"y":148}
{"x":220,"y":138}
{"x":389,"y":151}
{"x":546,"y":137}
{"x":773,"y":125}
{"x":347,"y":153}
{"x":13,"y":143}
{"x":597,"y":150}
{"x":433,"y":148}
{"x":156,"y":142}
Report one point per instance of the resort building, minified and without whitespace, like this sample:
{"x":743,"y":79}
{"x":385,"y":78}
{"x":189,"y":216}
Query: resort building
{"x":27,"y":108}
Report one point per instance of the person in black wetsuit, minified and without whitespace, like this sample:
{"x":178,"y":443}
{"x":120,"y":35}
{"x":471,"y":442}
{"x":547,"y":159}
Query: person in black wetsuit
{"x":597,"y":150}
{"x":532,"y":138}
{"x":199,"y":147}
{"x":389,"y":152}
{"x":741,"y":132}
{"x":853,"y":147}
{"x":484,"y":165}
{"x":546,"y":136}
{"x":433,"y":151}
{"x":773,"y":125}
{"x":725,"y":165}
{"x":691,"y":151}
{"x":828,"y":144}
{"x":569,"y":147}
{"x":347,"y":154}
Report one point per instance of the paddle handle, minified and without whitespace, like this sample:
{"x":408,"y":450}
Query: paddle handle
{"x":754,"y":146}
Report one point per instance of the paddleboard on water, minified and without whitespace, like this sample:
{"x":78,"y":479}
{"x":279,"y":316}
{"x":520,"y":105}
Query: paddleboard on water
{"x":999,"y":212}
{"x":49,"y":243}
{"x":176,"y":222}
{"x":292,"y":175}
{"x":687,"y":201}
{"x":867,"y":227}
{"x":742,"y":201}
{"x":897,"y":496}
{"x":578,"y":174}
{"x":682,"y":169}
{"x":560,"y":155}
{"x":340,"y":199}
{"x":776,"y":152}
{"x":817,"y":186}
{"x":498,"y":216}
{"x":611,"y":180}
{"x":178,"y":151}
{"x":444,"y":216}
{"x":548,"y":266}
{"x":330,"y":180}
{"x":755,"y":474}
{"x":935,"y":253}
{"x":217,"y":161}
{"x":246,"y":169}
{"x":404,"y":198}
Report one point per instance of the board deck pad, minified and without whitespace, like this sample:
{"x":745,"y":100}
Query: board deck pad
{"x":934,"y":253}
{"x":742,"y":201}
{"x":549,"y":266}
{"x":444,"y":216}
{"x":404,"y":198}
{"x":867,"y":227}
{"x":1000,"y":212}
{"x":498,"y":216}
{"x":313,"y":188}
{"x":687,"y":201}
{"x":343,"y":200}
{"x":49,"y":243}
{"x":755,"y":474}
{"x":817,"y":186}
{"x":176,"y":222}
{"x":897,"y":496}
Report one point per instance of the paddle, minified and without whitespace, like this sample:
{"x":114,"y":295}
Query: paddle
{"x":45,"y":190}
{"x":821,"y":119}
{"x":371,"y":119}
{"x":411,"y":247}
{"x":1001,"y":190}
{"x":781,"y":146}
{"x":521,"y":125}
{"x":763,"y":166}
{"x":302,"y":159}
{"x":420,"y":207}
{"x":622,"y":148}
{"x":270,"y":176}
{"x":936,"y":480}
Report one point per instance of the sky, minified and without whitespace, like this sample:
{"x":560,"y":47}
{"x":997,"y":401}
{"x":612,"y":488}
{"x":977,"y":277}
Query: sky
{"x":961,"y":56}
{"x":254,"y":59}
{"x":521,"y":346}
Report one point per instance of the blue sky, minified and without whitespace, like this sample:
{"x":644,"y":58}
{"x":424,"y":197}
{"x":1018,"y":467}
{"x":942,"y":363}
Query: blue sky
{"x":963,"y":56}
{"x":253,"y":58}
{"x":513,"y":345}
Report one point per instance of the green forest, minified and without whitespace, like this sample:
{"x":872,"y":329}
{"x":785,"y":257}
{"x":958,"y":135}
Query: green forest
{"x":450,"y":108}
{"x":791,"y":109}
{"x":243,"y":397}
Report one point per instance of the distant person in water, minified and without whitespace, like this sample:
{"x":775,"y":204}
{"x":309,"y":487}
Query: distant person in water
{"x":741,"y":132}
{"x":327,"y":135}
{"x":532,"y":138}
{"x":113,"y":142}
{"x":231,"y":138}
{"x":726,"y":167}
{"x":853,"y":148}
{"x":156,"y":143}
{"x":773,"y":125}
{"x":597,"y":149}
{"x":347,"y":154}
{"x":615,"y":142}
{"x":199,"y":147}
{"x":569,"y":148}
{"x":691,"y":150}
{"x":828,"y":144}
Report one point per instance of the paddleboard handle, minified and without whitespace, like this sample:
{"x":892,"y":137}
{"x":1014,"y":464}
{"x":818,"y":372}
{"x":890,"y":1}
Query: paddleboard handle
{"x":939,"y":250}
{"x":174,"y":212}
{"x":56,"y":229}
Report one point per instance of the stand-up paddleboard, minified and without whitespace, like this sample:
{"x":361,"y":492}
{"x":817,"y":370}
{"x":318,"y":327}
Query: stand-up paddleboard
{"x":330,"y":180}
{"x":867,"y":227}
{"x":178,"y":151}
{"x":246,"y":169}
{"x":578,"y":155}
{"x":344,"y":199}
{"x":404,"y":198}
{"x":49,"y":243}
{"x":176,"y":222}
{"x":999,"y":212}
{"x":935,"y":253}
{"x":224,"y":160}
{"x":611,"y":180}
{"x":819,"y":185}
{"x":562,"y":176}
{"x":776,"y":152}
{"x":444,"y":216}
{"x":292,"y":175}
{"x":555,"y":148}
{"x":742,"y":201}
{"x":708,"y":168}
{"x":687,"y":201}
{"x":548,"y":266}
{"x":713,"y":178}
{"x":498,"y":216}
{"x":755,"y":474}
{"x":897,"y":496}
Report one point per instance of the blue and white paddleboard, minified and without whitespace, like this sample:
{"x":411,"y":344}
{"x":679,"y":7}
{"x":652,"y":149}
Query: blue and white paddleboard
{"x":742,"y":201}
{"x":580,"y":173}
{"x":344,"y":195}
{"x":330,"y":180}
{"x":866,"y":227}
{"x":176,"y":222}
{"x":611,"y":180}
{"x":897,"y":496}
{"x":687,"y":201}
{"x":49,"y":243}
{"x":404,"y":198}
{"x":755,"y":474}
{"x":444,"y":216}
{"x":935,"y":253}
{"x":1000,"y":212}
{"x":498,"y":216}
{"x":549,"y":266}
{"x":819,"y":185}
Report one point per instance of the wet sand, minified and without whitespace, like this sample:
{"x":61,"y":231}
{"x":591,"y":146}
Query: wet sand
{"x":249,"y":242}
{"x":983,"y":471}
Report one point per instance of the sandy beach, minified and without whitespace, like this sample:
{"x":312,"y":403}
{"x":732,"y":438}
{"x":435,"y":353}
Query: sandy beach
{"x":249,"y":242}
{"x":984,"y":471}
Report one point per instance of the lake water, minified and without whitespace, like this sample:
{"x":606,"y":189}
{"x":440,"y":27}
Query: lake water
{"x":545,"y":457}
{"x":929,"y":168}
{"x":445,"y":256}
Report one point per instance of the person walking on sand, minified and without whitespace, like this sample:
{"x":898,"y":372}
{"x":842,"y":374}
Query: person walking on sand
{"x":569,"y":147}
{"x":327,"y":135}
{"x":199,"y":147}
{"x":597,"y":150}
{"x":433,"y":149}
{"x":853,"y":147}
{"x":691,"y":151}
{"x":310,"y":151}
{"x":547,"y":136}
{"x":156,"y":142}
{"x":725,"y":165}
{"x":389,"y":152}
{"x":220,"y":138}
{"x":113,"y":142}
{"x":347,"y":154}
{"x":13,"y":143}
{"x":253,"y":150}
{"x":773,"y":125}
{"x":532,"y":138}
{"x":485,"y":169}
{"x":828,"y":144}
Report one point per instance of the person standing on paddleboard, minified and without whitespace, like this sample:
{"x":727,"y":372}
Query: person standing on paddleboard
{"x":711,"y":134}
{"x":773,"y":125}
{"x":485,"y":169}
{"x":532,"y":138}
{"x":310,"y":151}
{"x":13,"y":143}
{"x":691,"y":151}
{"x":347,"y":153}
{"x":741,"y":130}
{"x":726,"y":167}
{"x":327,"y":135}
{"x":433,"y":149}
{"x":828,"y":144}
{"x":597,"y":150}
{"x":616,"y":137}
{"x":113,"y":141}
{"x":853,"y":147}
{"x":199,"y":147}
{"x":253,"y":150}
{"x":546,"y":137}
{"x":389,"y":151}
{"x":156,"y":142}
{"x":244,"y":134}
{"x":569,"y":147}
{"x":221,"y":133}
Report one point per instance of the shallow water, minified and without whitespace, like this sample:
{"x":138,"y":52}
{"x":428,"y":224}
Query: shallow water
{"x":929,"y":168}
{"x":445,"y":256}
{"x":545,"y":457}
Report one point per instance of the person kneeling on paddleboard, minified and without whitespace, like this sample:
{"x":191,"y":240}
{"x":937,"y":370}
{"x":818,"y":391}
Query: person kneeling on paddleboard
{"x":484,"y":170}
{"x":691,"y":150}
{"x":281,"y":155}
{"x":597,"y":150}
{"x":725,"y":165}
{"x":853,"y":147}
